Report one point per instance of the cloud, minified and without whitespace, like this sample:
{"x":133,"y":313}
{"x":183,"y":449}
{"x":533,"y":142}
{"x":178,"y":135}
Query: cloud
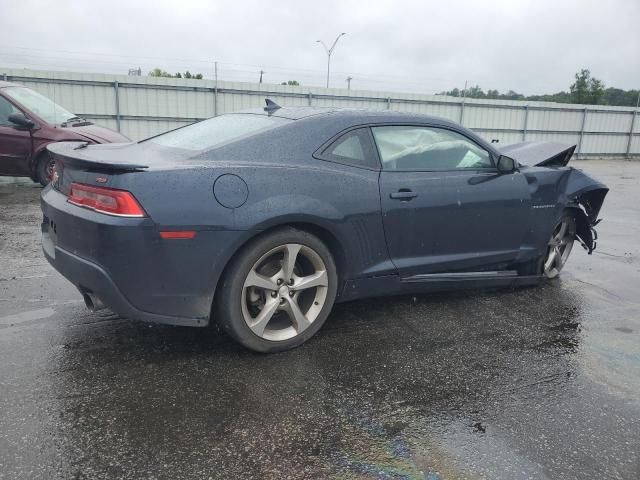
{"x":418,"y":46}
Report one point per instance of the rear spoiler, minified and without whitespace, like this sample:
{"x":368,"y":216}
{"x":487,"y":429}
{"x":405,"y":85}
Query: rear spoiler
{"x":77,"y":155}
{"x":539,"y":154}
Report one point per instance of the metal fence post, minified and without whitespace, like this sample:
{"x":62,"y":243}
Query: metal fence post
{"x":310,"y":97}
{"x":4,"y":77}
{"x":117,"y":94}
{"x":526,"y":120}
{"x":215,"y":92}
{"x":633,"y":124}
{"x":584,"y":120}
{"x":388,"y":103}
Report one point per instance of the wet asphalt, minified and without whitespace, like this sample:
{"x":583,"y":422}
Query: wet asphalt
{"x":542,"y":382}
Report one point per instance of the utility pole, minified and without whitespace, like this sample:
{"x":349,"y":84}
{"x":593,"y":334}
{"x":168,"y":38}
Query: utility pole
{"x":464,"y":97}
{"x":349,"y":82}
{"x":261,"y":72}
{"x":329,"y":52}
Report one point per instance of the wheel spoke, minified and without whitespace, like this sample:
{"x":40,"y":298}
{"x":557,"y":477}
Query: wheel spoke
{"x":299,"y":320}
{"x":558,"y":257}
{"x":561,"y":234}
{"x":260,"y":322}
{"x":551,"y":260}
{"x":254,"y":279}
{"x":318,"y":279}
{"x":289,"y":261}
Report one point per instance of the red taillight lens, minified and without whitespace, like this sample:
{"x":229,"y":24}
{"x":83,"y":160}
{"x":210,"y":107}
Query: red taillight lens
{"x":105,"y":200}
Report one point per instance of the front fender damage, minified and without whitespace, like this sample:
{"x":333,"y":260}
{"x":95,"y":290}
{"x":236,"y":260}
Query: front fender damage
{"x":585,"y":195}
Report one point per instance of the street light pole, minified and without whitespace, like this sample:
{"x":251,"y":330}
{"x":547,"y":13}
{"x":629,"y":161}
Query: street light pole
{"x":329,"y":52}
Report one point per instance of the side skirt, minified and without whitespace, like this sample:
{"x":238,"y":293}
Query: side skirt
{"x":395,"y":285}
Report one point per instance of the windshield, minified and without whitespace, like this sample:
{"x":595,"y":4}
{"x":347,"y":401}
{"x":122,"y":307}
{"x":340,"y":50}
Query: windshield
{"x":216,"y":131}
{"x":39,"y":104}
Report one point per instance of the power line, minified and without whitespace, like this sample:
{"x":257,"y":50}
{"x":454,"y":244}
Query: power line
{"x":92,"y":60}
{"x":191,"y":61}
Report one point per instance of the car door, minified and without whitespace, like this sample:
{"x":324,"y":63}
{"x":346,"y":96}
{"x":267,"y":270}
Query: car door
{"x":15,"y":143}
{"x":445,"y":207}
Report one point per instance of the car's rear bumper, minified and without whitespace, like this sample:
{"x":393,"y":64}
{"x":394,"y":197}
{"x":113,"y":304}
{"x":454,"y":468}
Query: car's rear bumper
{"x":91,"y":278}
{"x":130,"y":268}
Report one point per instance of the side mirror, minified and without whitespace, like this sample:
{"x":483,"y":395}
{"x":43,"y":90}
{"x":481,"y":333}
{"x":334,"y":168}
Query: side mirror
{"x":506,"y":164}
{"x":20,"y":120}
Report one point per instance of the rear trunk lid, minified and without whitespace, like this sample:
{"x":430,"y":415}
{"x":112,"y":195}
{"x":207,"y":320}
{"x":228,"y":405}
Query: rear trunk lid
{"x":102,"y":165}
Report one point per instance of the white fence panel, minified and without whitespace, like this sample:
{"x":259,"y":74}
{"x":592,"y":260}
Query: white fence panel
{"x":145,"y":106}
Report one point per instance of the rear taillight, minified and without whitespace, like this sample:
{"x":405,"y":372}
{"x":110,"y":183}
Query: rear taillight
{"x":105,"y":200}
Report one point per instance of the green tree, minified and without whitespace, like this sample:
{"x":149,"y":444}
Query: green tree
{"x":158,"y":72}
{"x":619,"y":97}
{"x":292,"y":83}
{"x":475,"y":92}
{"x":451,"y":93}
{"x":586,"y":89}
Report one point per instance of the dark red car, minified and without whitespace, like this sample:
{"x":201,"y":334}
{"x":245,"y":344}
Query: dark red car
{"x":29,"y":122}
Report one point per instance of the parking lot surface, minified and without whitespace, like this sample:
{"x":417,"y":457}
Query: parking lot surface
{"x":542,"y":382}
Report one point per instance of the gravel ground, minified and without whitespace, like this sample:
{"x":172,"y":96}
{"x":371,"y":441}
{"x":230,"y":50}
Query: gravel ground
{"x":537,"y":383}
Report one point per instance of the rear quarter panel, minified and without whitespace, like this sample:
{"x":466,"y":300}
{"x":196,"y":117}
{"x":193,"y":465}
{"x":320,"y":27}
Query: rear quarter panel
{"x":342,"y":200}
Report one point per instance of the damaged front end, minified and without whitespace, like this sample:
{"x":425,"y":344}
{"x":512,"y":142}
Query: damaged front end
{"x":586,"y":203}
{"x":577,"y":190}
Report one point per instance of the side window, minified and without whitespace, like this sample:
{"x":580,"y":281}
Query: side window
{"x":6,"y":109}
{"x":427,"y":148}
{"x":353,"y":148}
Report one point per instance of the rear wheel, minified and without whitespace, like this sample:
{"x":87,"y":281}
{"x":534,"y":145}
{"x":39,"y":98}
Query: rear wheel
{"x":278,"y":292}
{"x":44,"y":168}
{"x":559,"y":246}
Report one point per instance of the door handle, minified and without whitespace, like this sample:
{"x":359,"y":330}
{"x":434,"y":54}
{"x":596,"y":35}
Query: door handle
{"x":403,"y":194}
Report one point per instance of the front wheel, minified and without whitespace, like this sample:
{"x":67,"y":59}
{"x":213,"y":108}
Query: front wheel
{"x":559,"y":246}
{"x":278,"y":292}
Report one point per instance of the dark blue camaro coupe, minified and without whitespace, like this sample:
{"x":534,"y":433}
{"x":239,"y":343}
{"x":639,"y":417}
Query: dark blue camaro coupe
{"x":261,"y":220}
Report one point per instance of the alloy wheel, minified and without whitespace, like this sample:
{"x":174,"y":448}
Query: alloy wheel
{"x":559,"y":247}
{"x":284,"y":292}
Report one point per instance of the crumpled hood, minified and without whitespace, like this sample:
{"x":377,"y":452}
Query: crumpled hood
{"x":98,"y":134}
{"x":539,"y":154}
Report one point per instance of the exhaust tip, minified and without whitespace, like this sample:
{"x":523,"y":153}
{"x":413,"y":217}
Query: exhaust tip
{"x":88,"y":302}
{"x":92,"y":302}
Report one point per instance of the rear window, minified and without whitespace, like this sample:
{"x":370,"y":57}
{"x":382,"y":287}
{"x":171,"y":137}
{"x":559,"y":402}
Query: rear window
{"x":216,"y":131}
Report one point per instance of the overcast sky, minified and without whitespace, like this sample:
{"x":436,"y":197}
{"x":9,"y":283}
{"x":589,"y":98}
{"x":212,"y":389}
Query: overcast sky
{"x":420,"y":46}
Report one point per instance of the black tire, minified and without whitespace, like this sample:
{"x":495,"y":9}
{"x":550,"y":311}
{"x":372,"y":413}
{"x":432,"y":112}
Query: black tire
{"x":44,"y":168}
{"x":228,"y":309}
